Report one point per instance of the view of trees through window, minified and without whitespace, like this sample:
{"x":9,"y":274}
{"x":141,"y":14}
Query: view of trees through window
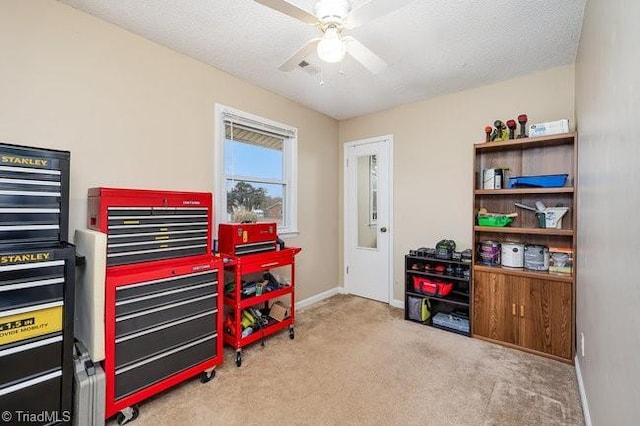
{"x":255,"y":180}
{"x":248,"y":202}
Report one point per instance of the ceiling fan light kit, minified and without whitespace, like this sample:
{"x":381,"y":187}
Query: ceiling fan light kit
{"x":331,"y":48}
{"x":332,"y":17}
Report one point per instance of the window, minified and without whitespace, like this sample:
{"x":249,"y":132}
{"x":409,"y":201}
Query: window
{"x":255,"y":170}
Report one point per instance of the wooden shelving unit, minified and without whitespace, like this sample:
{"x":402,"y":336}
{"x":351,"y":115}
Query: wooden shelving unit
{"x":529,"y":310}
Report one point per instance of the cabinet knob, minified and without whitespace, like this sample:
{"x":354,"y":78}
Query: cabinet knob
{"x":513,"y":309}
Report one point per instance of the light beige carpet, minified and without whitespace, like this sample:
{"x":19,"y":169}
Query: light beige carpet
{"x":355,"y":361}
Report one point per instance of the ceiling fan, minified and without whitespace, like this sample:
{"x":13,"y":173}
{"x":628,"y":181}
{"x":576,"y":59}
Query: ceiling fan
{"x":333,"y":17}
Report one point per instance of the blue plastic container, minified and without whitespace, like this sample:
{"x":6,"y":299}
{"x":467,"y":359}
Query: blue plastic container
{"x":541,"y":181}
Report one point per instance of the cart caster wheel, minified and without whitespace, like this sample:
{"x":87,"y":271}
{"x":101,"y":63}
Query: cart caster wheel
{"x":127,"y":415}
{"x":238,"y":359}
{"x":206,"y":377}
{"x":292,"y":333}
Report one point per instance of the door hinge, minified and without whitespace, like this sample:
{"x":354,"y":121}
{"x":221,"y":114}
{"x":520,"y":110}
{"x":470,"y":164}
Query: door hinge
{"x":347,"y":162}
{"x":347,"y":270}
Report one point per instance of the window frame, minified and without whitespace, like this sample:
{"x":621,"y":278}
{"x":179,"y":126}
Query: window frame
{"x":289,"y":134}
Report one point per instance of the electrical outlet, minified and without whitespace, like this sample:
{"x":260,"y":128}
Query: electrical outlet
{"x":582,"y":344}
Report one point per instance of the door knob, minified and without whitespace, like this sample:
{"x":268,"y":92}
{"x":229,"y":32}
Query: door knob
{"x":383,"y":229}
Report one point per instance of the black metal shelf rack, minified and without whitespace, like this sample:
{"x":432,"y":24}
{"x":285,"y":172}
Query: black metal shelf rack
{"x":456,"y":303}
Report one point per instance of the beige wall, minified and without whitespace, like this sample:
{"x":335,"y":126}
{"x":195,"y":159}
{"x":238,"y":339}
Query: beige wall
{"x":433,"y":158}
{"x":607,"y":110}
{"x":136,"y":114}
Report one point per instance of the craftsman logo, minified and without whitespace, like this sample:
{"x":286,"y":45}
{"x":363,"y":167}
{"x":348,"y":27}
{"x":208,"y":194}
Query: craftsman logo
{"x":24,"y":258}
{"x":25,"y":161}
{"x":200,"y":268}
{"x":190,"y":203}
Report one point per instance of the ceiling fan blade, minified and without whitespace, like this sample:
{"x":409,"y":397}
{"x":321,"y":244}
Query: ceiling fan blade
{"x":372,"y":10}
{"x":366,"y":57}
{"x":291,"y":63}
{"x":287,"y":8}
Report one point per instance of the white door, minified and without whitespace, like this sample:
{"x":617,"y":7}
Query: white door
{"x":367,"y":172}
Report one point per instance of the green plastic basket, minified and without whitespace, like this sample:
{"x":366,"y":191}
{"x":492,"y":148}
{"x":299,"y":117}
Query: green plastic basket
{"x":494,"y":220}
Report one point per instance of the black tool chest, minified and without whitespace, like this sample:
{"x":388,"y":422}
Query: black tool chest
{"x":34,"y":195}
{"x":37,"y":275}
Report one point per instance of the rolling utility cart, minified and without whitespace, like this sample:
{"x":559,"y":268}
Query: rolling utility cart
{"x":37,"y":276}
{"x":162,"y":310}
{"x":239,"y":303}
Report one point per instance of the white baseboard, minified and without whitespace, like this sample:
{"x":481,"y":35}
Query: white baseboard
{"x":583,"y":395}
{"x":332,"y":292}
{"x":397,"y":303}
{"x":318,"y":297}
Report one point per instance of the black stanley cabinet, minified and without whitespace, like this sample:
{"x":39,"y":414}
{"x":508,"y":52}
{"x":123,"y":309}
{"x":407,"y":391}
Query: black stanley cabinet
{"x":37,"y":274}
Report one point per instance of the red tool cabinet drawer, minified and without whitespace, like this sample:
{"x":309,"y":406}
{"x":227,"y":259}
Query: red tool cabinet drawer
{"x":30,"y":358}
{"x":146,"y":288}
{"x":139,"y":321}
{"x":147,"y":343}
{"x":157,"y":300}
{"x":137,"y":376}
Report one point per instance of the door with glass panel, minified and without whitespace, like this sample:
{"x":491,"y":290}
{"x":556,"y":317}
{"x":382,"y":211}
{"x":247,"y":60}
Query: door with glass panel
{"x":367,"y":219}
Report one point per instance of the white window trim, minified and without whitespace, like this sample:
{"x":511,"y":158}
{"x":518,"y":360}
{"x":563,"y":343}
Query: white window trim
{"x":290,"y":165}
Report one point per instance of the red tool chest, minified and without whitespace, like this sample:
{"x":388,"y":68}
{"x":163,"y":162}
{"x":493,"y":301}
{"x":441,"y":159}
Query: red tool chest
{"x":162,"y":326}
{"x":144,"y":225}
{"x":238,"y":239}
{"x":162,"y":308}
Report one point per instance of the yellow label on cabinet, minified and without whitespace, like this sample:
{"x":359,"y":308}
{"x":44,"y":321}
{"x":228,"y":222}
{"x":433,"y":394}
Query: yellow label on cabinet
{"x":162,"y":237}
{"x":25,"y":161}
{"x":130,"y":222}
{"x":245,"y":236}
{"x":23,"y":326}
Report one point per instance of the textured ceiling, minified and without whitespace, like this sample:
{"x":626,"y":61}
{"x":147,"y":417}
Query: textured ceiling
{"x":432,"y":46}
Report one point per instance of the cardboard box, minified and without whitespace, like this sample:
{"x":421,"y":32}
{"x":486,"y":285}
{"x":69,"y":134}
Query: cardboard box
{"x":278,"y":311}
{"x":561,"y":260}
{"x":549,"y":128}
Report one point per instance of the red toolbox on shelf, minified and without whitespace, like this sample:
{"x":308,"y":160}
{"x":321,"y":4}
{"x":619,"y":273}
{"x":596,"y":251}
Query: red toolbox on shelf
{"x":238,"y":239}
{"x":162,"y":326}
{"x":145,"y":225}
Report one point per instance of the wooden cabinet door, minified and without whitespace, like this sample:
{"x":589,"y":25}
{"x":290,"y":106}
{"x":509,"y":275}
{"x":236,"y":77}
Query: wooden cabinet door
{"x":545,"y":312}
{"x":494,"y":307}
